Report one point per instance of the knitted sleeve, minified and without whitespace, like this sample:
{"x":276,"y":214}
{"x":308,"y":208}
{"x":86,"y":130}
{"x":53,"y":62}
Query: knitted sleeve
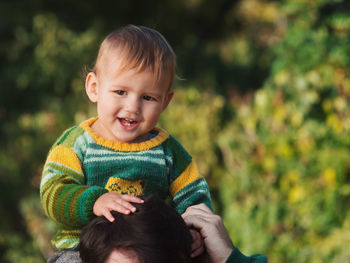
{"x":65,"y":197}
{"x":187,"y":186}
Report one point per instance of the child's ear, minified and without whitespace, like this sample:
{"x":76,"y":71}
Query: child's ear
{"x":91,"y":87}
{"x":167,"y":100}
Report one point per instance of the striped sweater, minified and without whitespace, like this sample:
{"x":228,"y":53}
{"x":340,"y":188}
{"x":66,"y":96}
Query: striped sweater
{"x":81,"y":166}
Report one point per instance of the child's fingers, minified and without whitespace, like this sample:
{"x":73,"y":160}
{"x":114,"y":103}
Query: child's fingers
{"x":132,"y":198}
{"x":122,"y":207}
{"x":107,"y":214}
{"x":126,"y":201}
{"x":115,"y":202}
{"x":125,"y":204}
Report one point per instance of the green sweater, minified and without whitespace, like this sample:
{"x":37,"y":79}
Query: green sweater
{"x":81,"y":166}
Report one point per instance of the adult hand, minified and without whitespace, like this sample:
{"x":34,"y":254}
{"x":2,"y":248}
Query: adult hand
{"x":197,"y":243}
{"x":216,"y":239}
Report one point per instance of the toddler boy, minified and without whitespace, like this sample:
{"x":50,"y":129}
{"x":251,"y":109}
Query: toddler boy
{"x":104,"y":163}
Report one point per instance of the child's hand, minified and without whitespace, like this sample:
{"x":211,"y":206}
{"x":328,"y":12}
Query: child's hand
{"x":114,"y":202}
{"x":197,"y":243}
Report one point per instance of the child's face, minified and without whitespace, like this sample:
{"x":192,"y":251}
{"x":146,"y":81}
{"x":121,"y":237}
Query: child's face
{"x":128,"y":103}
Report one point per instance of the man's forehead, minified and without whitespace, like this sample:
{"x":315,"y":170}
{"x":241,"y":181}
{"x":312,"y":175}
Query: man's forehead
{"x":123,"y":256}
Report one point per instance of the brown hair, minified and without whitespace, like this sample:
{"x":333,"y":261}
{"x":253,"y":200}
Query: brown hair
{"x":140,"y":48}
{"x":155,"y":232}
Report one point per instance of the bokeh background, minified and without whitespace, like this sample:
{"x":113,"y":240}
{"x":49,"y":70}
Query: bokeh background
{"x":263,"y":106}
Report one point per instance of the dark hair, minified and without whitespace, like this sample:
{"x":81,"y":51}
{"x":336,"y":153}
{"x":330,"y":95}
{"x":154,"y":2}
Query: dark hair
{"x":155,"y":232}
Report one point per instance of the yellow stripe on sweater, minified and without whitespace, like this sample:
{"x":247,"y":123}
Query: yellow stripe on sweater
{"x":66,"y":156}
{"x":189,"y":175}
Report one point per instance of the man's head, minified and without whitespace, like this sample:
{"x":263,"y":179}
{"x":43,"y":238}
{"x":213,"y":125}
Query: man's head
{"x":155,"y":233}
{"x":131,"y":83}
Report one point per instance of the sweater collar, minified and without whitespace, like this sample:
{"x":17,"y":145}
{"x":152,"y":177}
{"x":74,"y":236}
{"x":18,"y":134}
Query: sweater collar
{"x":124,"y":147}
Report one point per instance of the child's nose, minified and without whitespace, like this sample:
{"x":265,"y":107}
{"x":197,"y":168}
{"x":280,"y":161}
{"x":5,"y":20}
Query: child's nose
{"x":133,"y":105}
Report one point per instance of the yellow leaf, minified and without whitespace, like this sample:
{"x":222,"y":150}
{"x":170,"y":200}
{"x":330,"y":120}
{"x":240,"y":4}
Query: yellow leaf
{"x":269,"y":163}
{"x":329,"y":176}
{"x":296,"y":194}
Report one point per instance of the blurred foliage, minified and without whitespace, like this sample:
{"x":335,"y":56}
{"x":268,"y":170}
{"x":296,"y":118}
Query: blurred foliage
{"x":202,"y":110}
{"x":287,"y":152}
{"x":263,"y":107}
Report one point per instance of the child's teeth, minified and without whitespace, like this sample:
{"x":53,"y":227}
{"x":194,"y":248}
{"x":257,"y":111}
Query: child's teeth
{"x":127,"y":122}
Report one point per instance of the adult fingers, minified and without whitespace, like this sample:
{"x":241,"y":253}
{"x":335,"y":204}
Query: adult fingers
{"x":206,"y":224}
{"x":197,"y":239}
{"x":198,"y":210}
{"x":197,"y":252}
{"x":197,"y":222}
{"x":197,"y":215}
{"x":197,"y":244}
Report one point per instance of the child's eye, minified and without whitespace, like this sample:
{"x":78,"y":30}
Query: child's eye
{"x":149,"y":98}
{"x":120,"y":92}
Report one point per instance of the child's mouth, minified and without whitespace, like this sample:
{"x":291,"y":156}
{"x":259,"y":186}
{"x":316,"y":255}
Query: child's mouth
{"x":127,"y":123}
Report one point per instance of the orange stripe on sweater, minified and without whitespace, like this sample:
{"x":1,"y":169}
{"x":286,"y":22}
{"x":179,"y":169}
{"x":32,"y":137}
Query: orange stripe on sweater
{"x":66,"y":156}
{"x":189,"y":175}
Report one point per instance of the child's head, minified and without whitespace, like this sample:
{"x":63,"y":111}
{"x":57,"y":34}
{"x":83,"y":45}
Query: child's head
{"x":139,"y":48}
{"x":131,"y":83}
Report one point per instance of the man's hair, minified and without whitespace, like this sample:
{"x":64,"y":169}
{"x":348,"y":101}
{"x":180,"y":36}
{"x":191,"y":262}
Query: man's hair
{"x":156,"y":233}
{"x":140,"y":48}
